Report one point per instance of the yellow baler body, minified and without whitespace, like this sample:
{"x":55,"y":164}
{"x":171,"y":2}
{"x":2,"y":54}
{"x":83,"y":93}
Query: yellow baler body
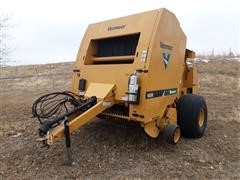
{"x":158,"y":57}
{"x":159,"y":32}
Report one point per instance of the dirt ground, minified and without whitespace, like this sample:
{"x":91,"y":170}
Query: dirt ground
{"x":106,"y":150}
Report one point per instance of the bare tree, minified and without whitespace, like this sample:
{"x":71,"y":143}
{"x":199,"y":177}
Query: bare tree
{"x":4,"y":49}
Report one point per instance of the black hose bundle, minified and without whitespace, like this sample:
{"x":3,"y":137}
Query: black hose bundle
{"x":53,"y":105}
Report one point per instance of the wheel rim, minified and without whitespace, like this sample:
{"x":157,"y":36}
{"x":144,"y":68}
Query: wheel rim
{"x":177,"y":135}
{"x":201,"y":118}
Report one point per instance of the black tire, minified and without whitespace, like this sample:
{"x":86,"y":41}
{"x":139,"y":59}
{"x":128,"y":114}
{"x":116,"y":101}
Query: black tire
{"x":192,"y":115}
{"x":170,"y":132}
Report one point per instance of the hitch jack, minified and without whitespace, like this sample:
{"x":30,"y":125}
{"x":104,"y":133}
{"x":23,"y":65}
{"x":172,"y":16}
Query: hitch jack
{"x":69,"y":158}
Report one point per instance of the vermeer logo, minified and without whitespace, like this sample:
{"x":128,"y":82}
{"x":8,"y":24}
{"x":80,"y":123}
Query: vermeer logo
{"x":165,"y":57}
{"x":111,"y":28}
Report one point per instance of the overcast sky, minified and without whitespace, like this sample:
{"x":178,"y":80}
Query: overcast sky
{"x":48,"y":31}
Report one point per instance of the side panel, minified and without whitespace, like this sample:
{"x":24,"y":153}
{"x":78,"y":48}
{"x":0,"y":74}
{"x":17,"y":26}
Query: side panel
{"x":166,"y":65}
